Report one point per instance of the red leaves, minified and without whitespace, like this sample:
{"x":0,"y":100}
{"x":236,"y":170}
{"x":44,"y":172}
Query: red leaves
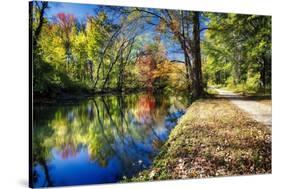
{"x":146,"y":65}
{"x":145,"y":107}
{"x":66,"y":22}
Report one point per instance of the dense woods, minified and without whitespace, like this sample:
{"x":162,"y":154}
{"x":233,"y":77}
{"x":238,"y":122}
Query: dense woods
{"x":135,"y":94}
{"x":123,"y":49}
{"x":237,"y":51}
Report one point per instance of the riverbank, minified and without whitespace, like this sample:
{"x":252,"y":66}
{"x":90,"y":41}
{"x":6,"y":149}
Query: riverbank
{"x":66,"y":96}
{"x":213,"y":138}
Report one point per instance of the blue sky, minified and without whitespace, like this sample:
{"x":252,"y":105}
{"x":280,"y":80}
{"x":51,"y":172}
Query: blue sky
{"x":81,"y":11}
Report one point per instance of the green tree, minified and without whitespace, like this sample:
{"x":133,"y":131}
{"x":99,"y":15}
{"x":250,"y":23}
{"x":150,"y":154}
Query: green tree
{"x":237,"y":50}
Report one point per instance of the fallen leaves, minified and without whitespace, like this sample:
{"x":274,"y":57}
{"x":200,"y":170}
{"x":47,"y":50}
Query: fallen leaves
{"x":213,"y":139}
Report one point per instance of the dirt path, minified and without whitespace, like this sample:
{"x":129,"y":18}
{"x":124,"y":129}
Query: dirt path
{"x":258,"y":111}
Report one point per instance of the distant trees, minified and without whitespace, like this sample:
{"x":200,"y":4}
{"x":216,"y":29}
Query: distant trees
{"x":146,"y":64}
{"x":102,"y":52}
{"x":237,"y":51}
{"x":185,"y":29}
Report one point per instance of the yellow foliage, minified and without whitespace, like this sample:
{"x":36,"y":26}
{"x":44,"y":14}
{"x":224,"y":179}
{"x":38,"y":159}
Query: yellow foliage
{"x":174,"y":72}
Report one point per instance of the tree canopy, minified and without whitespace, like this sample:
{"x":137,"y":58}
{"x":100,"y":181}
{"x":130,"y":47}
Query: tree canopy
{"x":121,"y":49}
{"x":237,"y":51}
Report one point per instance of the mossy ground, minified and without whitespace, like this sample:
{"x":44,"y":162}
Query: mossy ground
{"x":213,"y":138}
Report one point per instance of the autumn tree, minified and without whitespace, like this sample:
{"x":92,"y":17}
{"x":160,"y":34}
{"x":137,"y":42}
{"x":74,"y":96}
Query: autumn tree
{"x":184,"y":27}
{"x":66,"y":23}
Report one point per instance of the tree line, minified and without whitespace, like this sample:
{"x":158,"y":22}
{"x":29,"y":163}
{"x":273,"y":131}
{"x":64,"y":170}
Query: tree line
{"x":103,"y":53}
{"x":237,"y":51}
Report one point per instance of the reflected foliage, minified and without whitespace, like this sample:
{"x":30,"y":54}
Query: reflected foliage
{"x":127,"y":128}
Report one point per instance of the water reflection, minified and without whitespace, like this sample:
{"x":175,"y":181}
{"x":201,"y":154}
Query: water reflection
{"x":102,"y":139}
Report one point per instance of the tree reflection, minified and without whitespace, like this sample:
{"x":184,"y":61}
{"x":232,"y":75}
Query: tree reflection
{"x":145,"y":109}
{"x":129,"y":127}
{"x":41,"y":154}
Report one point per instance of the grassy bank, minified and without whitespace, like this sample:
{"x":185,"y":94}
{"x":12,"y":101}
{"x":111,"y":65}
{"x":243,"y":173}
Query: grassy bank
{"x":214,"y":138}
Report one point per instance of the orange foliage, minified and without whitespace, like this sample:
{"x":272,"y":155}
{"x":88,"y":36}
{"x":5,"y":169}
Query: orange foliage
{"x":146,"y":65}
{"x":145,"y":107}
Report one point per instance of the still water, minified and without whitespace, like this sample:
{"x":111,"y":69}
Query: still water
{"x":103,"y":139}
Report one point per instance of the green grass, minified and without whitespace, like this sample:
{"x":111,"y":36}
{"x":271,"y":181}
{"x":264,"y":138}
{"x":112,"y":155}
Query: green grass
{"x":214,"y":138}
{"x":211,"y":91}
{"x":243,"y":89}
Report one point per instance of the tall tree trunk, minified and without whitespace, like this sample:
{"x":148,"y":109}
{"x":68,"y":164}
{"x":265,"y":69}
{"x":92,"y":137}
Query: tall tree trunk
{"x":91,"y":70}
{"x":119,"y":53}
{"x":237,"y":71}
{"x":120,"y":75}
{"x":197,"y":87}
{"x":263,"y":73}
{"x":188,"y":69}
{"x":115,"y":34}
{"x":44,"y":6}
